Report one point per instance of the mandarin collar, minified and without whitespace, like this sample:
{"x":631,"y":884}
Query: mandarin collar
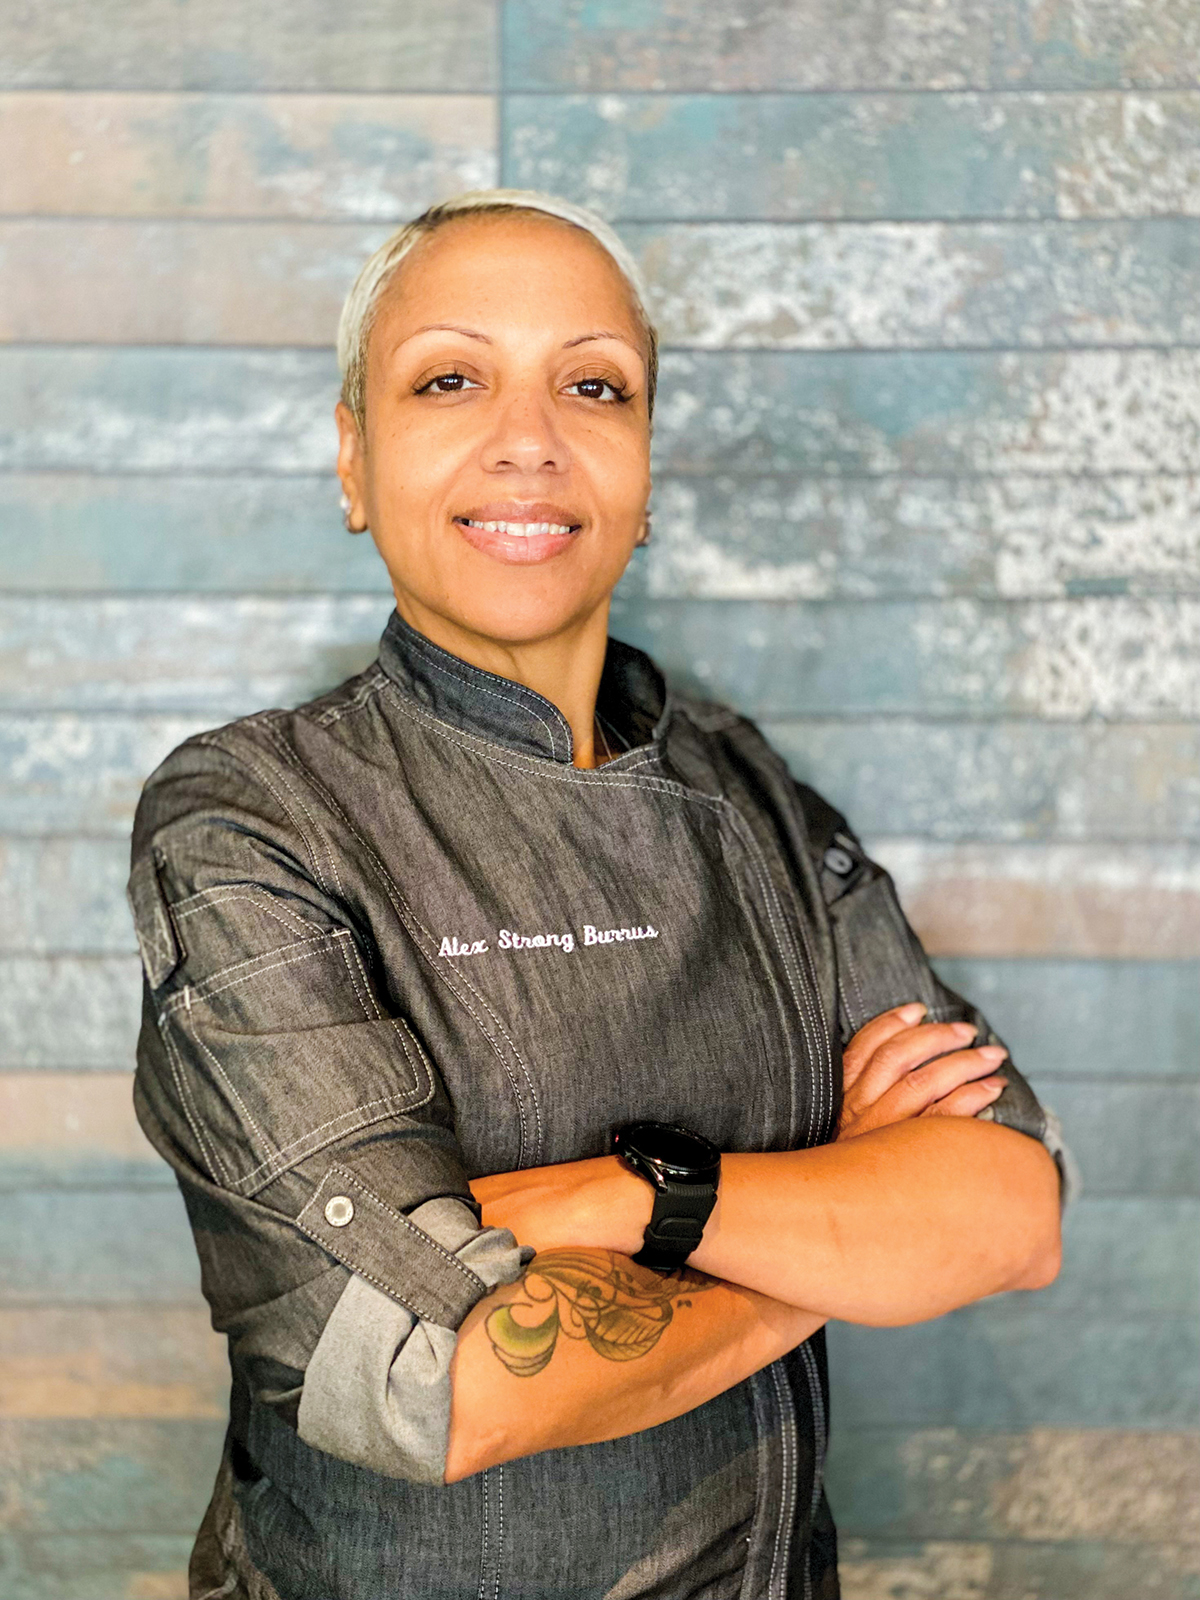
{"x":632,"y":698}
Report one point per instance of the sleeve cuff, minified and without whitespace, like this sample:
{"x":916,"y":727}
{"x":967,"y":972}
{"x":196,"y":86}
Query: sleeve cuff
{"x":377,"y":1390}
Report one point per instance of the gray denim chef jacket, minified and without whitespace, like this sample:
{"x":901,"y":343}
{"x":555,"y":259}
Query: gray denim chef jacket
{"x":337,"y":1035}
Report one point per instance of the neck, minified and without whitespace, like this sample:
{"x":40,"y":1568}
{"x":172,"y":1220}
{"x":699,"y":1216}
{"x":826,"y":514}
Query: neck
{"x":563,"y":668}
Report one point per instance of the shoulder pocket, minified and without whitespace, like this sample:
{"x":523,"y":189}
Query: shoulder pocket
{"x":156,"y":936}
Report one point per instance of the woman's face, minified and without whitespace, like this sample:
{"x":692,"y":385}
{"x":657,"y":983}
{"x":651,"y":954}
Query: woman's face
{"x":506,"y":384}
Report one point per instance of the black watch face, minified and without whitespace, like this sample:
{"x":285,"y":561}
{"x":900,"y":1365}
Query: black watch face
{"x":674,"y":1149}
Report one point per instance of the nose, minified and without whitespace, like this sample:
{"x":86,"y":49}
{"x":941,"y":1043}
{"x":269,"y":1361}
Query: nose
{"x":526,"y":437}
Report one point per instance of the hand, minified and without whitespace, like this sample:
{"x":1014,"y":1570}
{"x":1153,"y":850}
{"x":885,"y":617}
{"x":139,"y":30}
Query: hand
{"x":890,"y":1074}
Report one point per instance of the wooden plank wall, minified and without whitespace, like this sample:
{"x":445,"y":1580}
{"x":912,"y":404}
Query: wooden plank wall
{"x":926,"y":503}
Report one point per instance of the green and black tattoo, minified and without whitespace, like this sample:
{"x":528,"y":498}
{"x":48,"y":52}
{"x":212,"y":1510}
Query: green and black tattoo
{"x":621,"y":1309}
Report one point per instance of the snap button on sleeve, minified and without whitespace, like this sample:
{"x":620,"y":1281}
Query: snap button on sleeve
{"x":339,"y":1210}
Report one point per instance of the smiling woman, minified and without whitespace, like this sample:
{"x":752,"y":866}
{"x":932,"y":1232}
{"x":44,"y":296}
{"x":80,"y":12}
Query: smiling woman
{"x":524,"y":1242}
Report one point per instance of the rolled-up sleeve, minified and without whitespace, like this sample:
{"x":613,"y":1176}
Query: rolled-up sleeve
{"x":312,"y":1137}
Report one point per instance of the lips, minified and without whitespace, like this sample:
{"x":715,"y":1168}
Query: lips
{"x":520,"y":534}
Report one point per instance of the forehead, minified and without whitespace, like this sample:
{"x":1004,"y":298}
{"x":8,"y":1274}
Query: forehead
{"x":522,"y":265}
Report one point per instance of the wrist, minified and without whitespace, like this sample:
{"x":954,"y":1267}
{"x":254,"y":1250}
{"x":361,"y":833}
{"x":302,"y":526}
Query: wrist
{"x":612,"y":1207}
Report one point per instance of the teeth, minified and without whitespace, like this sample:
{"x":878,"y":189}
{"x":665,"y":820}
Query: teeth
{"x":519,"y":530}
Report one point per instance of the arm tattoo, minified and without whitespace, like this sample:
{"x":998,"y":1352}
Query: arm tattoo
{"x":621,"y":1309}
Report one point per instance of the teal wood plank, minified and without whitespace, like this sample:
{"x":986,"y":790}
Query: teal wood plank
{"x":864,"y":412}
{"x":1055,"y":1484}
{"x":68,"y":774}
{"x":1096,"y":1569}
{"x":655,"y":45}
{"x":72,"y":1130}
{"x":90,"y":534}
{"x":849,"y":413}
{"x":778,"y":45}
{"x":1042,"y":1372}
{"x":97,"y":1246}
{"x":768,"y":537}
{"x":1002,"y":779}
{"x":108,"y":1477}
{"x":76,"y":1012}
{"x":913,"y":285}
{"x":158,"y":44}
{"x":64,"y":896}
{"x":94,"y":1566}
{"x":1095,"y":656}
{"x":1090,"y":1019}
{"x":871,"y":157}
{"x":1128,"y":1138}
{"x":712,"y":286}
{"x":372,"y":157}
{"x":1111,"y":657}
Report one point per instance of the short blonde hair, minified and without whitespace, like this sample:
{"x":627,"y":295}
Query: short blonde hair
{"x":362,"y":303}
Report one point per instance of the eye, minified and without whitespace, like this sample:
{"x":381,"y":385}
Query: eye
{"x":448,"y":383}
{"x":595,"y":389}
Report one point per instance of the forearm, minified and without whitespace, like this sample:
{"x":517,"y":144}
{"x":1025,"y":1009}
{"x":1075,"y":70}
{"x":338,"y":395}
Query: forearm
{"x":588,"y":1346}
{"x":892,"y":1227}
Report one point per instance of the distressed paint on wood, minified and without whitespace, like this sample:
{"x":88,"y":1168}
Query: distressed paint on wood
{"x":96,"y":1566}
{"x":370,"y":157}
{"x":219,"y":44}
{"x":1010,"y":1372}
{"x":1105,"y":656}
{"x":1090,"y":1019}
{"x":869,"y":157}
{"x":1128,"y":1138}
{"x":73,"y":1129}
{"x":875,"y":1569}
{"x":776,"y":44}
{"x":834,"y":413}
{"x":62,"y":1362}
{"x":97,"y":1246}
{"x":774,"y":286}
{"x":1002,"y":780}
{"x":758,"y":537}
{"x":1131,"y":902}
{"x":1047,"y":1484}
{"x":107,"y":1475}
{"x":64,"y":896}
{"x":789,"y":537}
{"x":76,"y":1012}
{"x":66,"y":773}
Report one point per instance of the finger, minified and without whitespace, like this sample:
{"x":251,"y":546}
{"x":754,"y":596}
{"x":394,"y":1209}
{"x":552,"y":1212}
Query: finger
{"x":906,"y":1050}
{"x":969,"y":1100}
{"x":924,"y":1085}
{"x":874,"y":1033}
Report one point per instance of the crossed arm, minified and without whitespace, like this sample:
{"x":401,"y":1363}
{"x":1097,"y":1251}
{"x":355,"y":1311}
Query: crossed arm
{"x":916,"y":1209}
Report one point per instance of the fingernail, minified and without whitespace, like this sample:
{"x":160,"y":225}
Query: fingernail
{"x":964,"y":1030}
{"x":913,"y":1012}
{"x":993,"y":1052}
{"x":995,"y":1083}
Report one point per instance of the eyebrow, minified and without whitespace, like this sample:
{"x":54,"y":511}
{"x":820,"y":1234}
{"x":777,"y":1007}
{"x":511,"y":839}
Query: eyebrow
{"x":473,"y":333}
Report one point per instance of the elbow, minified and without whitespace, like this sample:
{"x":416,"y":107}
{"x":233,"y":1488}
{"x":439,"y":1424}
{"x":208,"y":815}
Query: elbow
{"x":1043,"y":1265}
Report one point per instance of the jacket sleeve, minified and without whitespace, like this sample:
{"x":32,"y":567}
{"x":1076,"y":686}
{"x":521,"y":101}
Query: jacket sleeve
{"x":881,"y":963}
{"x":313,"y":1140}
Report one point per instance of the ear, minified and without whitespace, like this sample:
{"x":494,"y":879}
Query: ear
{"x":351,"y":467}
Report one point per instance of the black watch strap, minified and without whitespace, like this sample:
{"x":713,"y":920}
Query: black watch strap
{"x":676,"y":1224}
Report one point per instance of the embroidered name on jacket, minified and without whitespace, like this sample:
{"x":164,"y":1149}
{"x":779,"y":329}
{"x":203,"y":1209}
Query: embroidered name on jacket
{"x":506,"y":939}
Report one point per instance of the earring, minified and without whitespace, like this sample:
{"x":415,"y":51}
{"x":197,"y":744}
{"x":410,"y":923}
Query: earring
{"x":644,"y":536}
{"x":346,"y":516}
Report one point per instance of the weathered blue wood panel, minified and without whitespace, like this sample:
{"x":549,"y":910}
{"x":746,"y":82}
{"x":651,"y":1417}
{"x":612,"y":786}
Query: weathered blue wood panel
{"x":838,"y":413}
{"x":1002,"y":779}
{"x":1112,"y":657}
{"x":65,"y":896}
{"x":219,"y":44}
{"x":777,"y":44}
{"x":67,"y":773}
{"x":866,"y":156}
{"x":759,"y":537}
{"x":1090,"y":1019}
{"x":372,"y":157}
{"x":712,"y":286}
{"x":1085,"y":1569}
{"x":97,"y":1566}
{"x":78,"y":1012}
{"x":97,"y":1246}
{"x":951,"y":1484}
{"x":1130,"y":1138}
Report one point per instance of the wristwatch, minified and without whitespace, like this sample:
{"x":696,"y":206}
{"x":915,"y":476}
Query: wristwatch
{"x":684,"y":1169}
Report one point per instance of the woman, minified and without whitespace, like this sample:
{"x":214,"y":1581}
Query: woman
{"x":418,"y":953}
